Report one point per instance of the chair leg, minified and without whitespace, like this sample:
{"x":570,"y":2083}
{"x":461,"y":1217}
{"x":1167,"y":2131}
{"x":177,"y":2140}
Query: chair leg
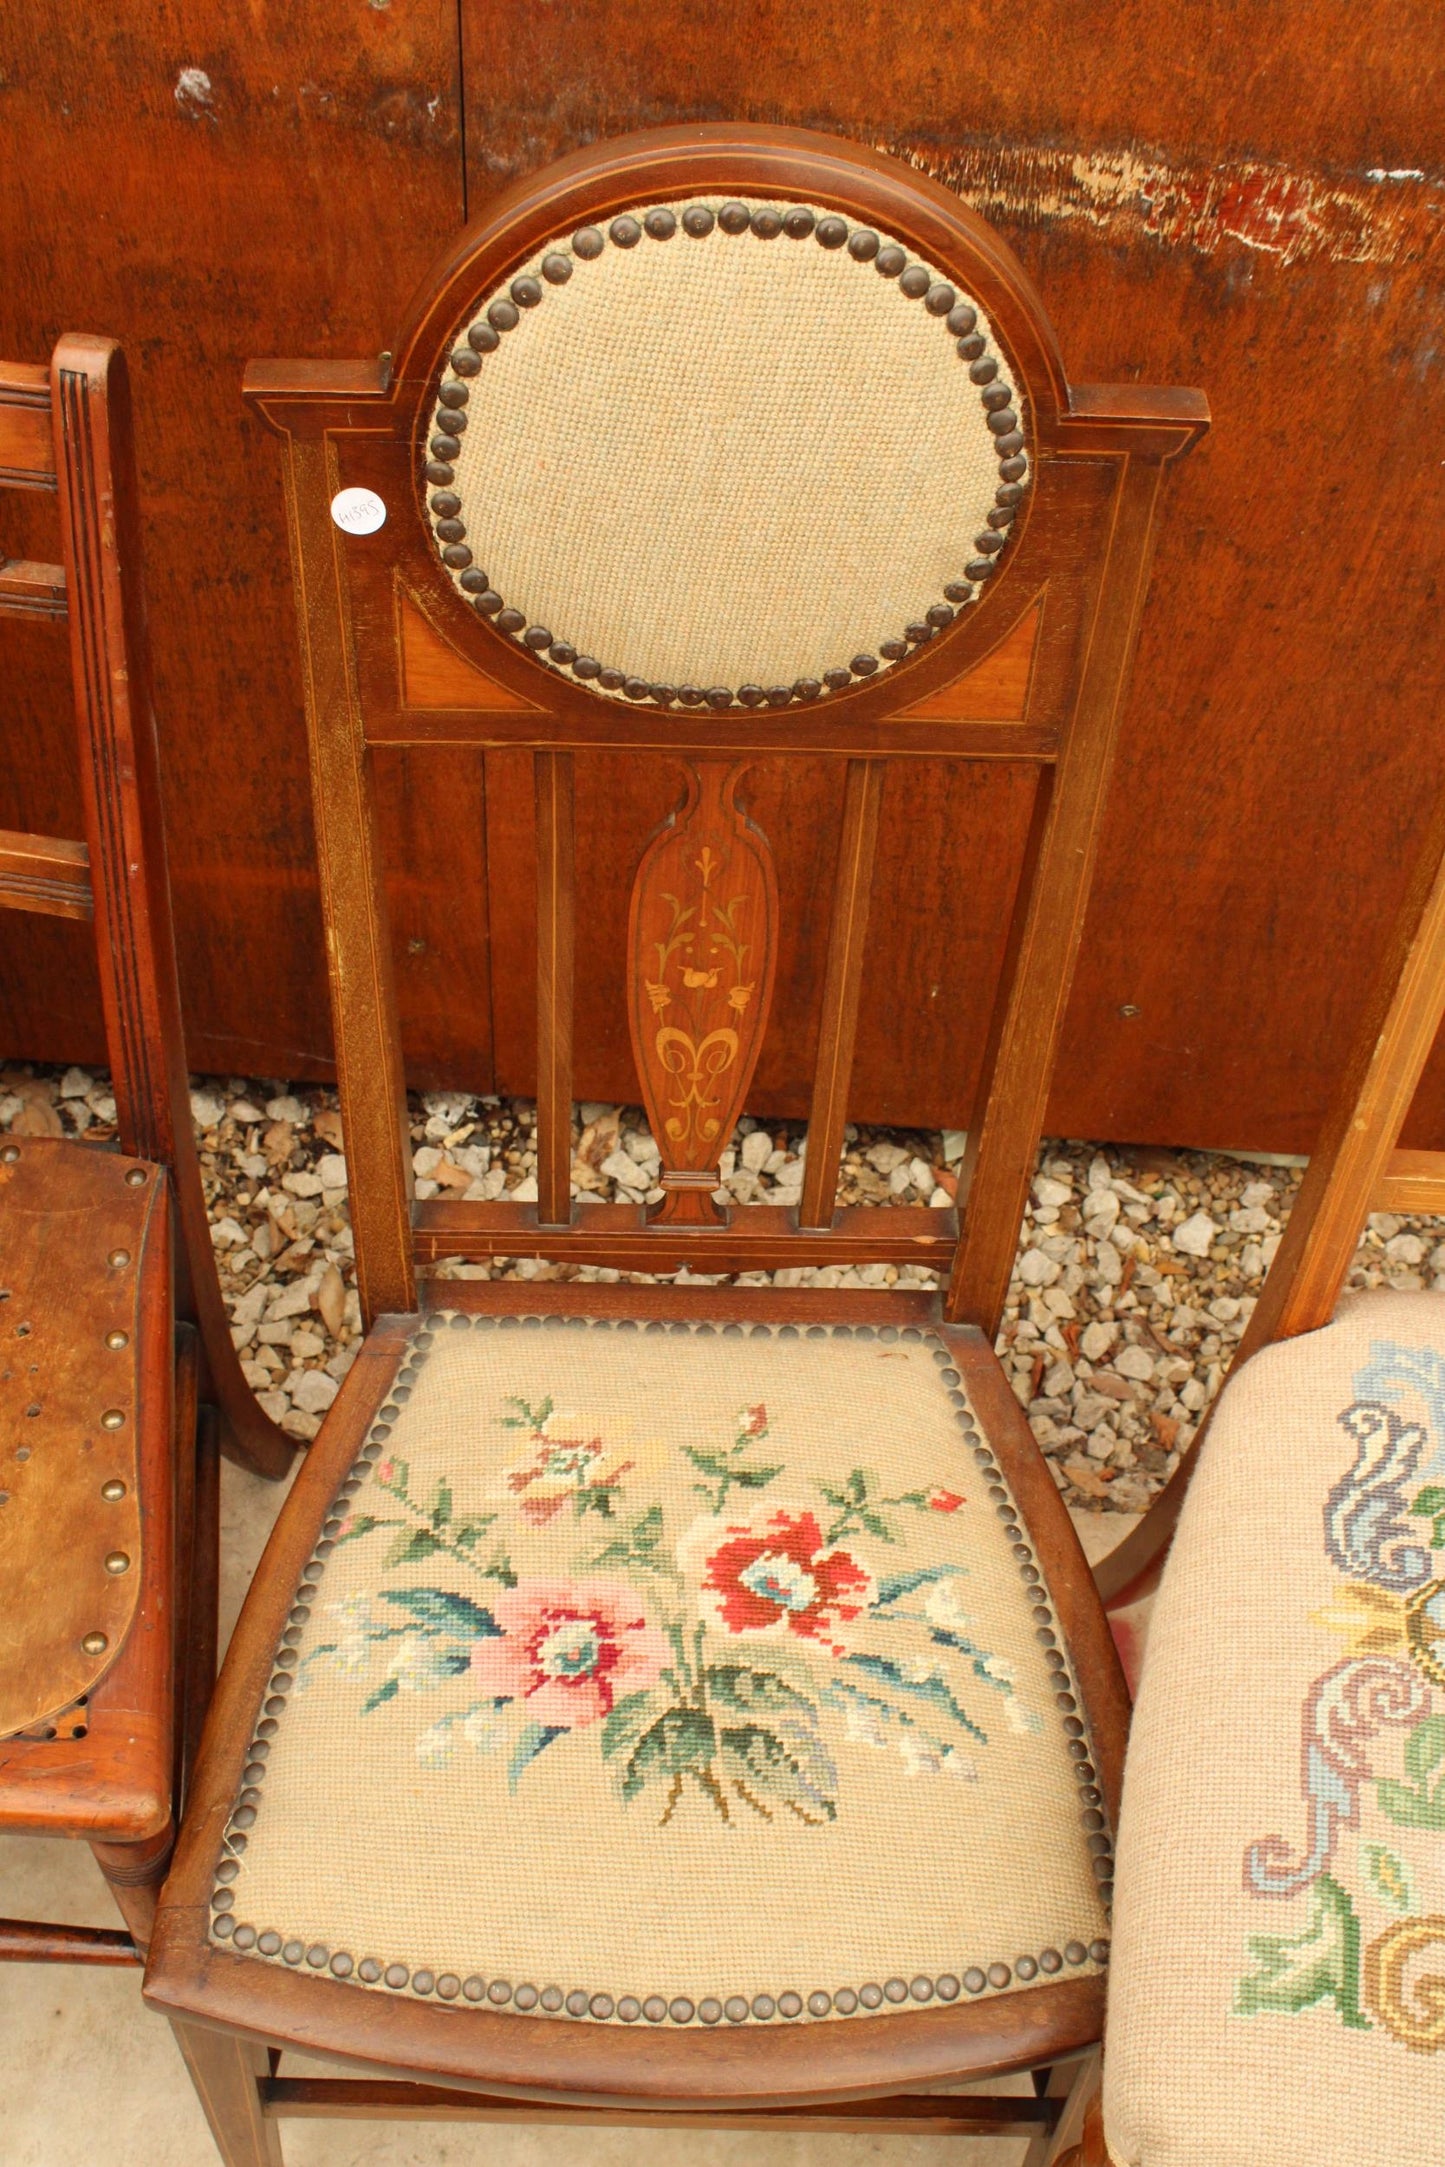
{"x":134,"y":1872}
{"x":1077,"y":2084}
{"x":224,"y":2069}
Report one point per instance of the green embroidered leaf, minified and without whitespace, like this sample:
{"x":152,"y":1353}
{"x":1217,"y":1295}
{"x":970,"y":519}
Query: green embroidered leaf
{"x":1425,"y":1747}
{"x":446,"y":1612}
{"x":467,"y":1533}
{"x":898,"y":1585}
{"x":638,"y":1547}
{"x":499,"y":1567}
{"x":681,"y":1742}
{"x":1390,"y":1875}
{"x":410,"y":1547}
{"x":1430,"y":1505}
{"x":596,"y":1497}
{"x":754,"y":1692}
{"x":795,"y":1772}
{"x":626,"y":1723}
{"x":710,"y":1463}
{"x":535,"y":1739}
{"x":441,"y":1511}
{"x":875,"y":1525}
{"x":1320,"y":1964}
{"x":388,"y":1691}
{"x":932,"y":1690}
{"x":1412,"y":1806}
{"x":526,"y":1418}
{"x":754,"y":1478}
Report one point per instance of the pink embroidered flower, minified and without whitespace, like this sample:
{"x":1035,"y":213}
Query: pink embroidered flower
{"x":775,"y":1575}
{"x":386,"y":1471}
{"x":568,"y":1653}
{"x":944,"y":1500}
{"x":753,"y":1421}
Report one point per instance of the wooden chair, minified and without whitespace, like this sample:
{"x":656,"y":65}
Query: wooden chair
{"x":759,"y":1666}
{"x":112,"y":1332}
{"x":1276,"y":1998}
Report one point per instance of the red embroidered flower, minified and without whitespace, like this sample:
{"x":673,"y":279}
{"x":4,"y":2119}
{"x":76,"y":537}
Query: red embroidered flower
{"x":944,"y":1500}
{"x":775,"y":1575}
{"x":567,"y":1653}
{"x":753,"y":1421}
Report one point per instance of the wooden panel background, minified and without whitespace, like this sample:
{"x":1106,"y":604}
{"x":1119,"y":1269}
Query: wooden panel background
{"x":1249,"y":200}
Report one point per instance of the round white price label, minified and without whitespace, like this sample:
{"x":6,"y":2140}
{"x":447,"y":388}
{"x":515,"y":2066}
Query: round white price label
{"x":358,"y":511}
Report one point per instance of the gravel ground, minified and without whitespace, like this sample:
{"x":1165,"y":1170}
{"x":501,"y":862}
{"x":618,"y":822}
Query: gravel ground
{"x":1135,"y":1276}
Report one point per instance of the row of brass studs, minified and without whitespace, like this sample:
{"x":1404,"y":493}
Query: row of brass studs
{"x":579,"y":2002}
{"x":112,"y":1490}
{"x":864,"y":246}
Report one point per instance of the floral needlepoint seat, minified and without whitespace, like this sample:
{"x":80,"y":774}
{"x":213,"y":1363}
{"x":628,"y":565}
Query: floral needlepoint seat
{"x":1278,"y":1997}
{"x":671,"y":1673}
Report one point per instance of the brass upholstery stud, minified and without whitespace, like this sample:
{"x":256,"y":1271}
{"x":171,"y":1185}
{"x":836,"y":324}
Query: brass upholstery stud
{"x":135,"y":1177}
{"x":117,"y":1563}
{"x":113,"y":1490}
{"x":116,"y":1340}
{"x":113,"y":1419}
{"x":95,"y":1644}
{"x":118,"y":1258}
{"x":10,"y":1154}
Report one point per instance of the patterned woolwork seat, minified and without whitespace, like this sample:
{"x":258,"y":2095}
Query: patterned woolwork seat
{"x":1278,"y":1992}
{"x":674,"y":1674}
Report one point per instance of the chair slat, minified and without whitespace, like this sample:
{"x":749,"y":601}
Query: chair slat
{"x":842,"y":990}
{"x":1414,"y":1181}
{"x":31,"y":590}
{"x":27,"y":450}
{"x":762,"y":1237}
{"x":45,"y":874}
{"x":555,"y":921}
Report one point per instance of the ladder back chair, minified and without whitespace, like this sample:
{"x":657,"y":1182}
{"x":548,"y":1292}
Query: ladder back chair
{"x":105,"y":1659}
{"x":762,"y":1668}
{"x":1286,"y":1799}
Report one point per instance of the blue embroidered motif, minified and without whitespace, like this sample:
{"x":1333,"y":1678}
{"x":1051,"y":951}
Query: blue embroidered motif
{"x":1366,"y":1531}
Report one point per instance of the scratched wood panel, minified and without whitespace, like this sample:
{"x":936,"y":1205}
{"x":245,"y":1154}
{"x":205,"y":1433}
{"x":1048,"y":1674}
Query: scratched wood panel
{"x":208,"y":184}
{"x":1283,"y":736}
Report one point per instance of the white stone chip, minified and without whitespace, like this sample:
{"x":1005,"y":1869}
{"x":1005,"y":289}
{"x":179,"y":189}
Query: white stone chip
{"x":1197,"y":1236}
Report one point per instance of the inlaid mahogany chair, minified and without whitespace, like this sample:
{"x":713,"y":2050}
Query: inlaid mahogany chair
{"x":688,"y":1702}
{"x":108,"y":1342}
{"x":1277,"y":1997}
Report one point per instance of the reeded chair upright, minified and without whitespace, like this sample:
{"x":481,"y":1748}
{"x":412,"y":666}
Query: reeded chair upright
{"x":112,"y":1328}
{"x":686,"y":1699}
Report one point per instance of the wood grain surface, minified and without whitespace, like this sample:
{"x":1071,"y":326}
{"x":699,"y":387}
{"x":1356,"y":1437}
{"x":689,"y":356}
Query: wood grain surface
{"x":280,"y":181}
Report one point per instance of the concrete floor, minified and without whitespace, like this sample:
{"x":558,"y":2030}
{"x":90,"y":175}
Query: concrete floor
{"x":92,"y":2077}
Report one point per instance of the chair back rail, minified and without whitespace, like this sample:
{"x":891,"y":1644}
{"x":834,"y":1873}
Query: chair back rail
{"x":68,"y":429}
{"x":403,"y":643}
{"x":1355,"y":1168}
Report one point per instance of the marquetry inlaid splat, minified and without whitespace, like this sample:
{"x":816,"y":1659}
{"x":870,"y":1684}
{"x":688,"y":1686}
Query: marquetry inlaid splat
{"x":702,"y":945}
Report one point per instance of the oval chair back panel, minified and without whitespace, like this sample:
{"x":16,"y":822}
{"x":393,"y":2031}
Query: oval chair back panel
{"x":717,"y":447}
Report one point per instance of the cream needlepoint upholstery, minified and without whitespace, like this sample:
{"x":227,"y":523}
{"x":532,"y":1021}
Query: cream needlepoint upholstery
{"x":721,"y":450}
{"x":689,"y":1674}
{"x":1277,"y":1997}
